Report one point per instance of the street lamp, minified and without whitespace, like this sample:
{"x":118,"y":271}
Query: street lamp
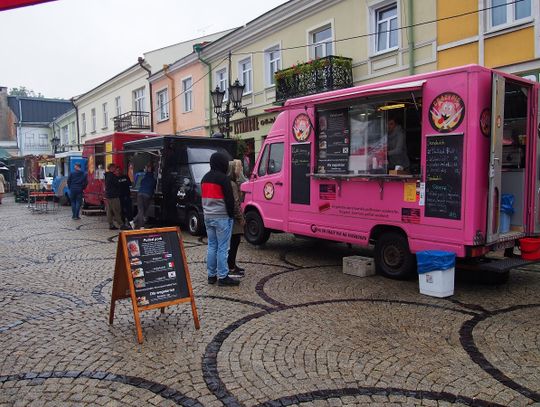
{"x":235,"y":96}
{"x":55,"y":141}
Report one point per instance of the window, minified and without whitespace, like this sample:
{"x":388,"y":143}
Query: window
{"x":245,"y":73}
{"x":503,"y":12}
{"x":83,"y":117}
{"x":105,"y":115}
{"x":118,"y":105}
{"x":320,"y":42}
{"x":187,"y":94}
{"x":30,"y":140}
{"x":222,"y":82}
{"x":94,"y":124}
{"x":163,"y":104}
{"x":386,"y":28}
{"x":43,"y":140}
{"x":272,"y":63}
{"x":138,"y":100}
{"x":272,"y":159}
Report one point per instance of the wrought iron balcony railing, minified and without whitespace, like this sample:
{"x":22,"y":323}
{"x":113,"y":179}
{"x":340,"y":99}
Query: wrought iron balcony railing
{"x":319,"y":75}
{"x":134,"y":120}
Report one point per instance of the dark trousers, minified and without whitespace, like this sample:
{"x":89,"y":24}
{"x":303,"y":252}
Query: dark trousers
{"x":127,"y":208}
{"x":233,"y":250}
{"x":76,"y":201}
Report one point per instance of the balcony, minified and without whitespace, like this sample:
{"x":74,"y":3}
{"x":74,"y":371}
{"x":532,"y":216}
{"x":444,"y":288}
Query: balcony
{"x":319,"y":75}
{"x":133,"y":120}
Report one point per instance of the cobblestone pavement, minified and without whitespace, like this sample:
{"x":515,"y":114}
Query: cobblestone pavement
{"x":296,"y":332}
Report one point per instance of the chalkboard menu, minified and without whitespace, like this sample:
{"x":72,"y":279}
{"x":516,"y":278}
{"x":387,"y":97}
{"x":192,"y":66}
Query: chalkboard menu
{"x":333,"y":142}
{"x":157,"y":268}
{"x":444,"y":166}
{"x":300,"y":168}
{"x":152,"y":270}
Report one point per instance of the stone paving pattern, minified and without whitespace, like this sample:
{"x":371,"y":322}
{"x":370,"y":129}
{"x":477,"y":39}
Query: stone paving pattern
{"x":296,"y":332}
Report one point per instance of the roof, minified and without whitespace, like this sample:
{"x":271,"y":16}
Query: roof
{"x":38,"y":110}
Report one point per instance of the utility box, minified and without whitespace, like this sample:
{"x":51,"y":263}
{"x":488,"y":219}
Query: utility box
{"x":359,"y":266}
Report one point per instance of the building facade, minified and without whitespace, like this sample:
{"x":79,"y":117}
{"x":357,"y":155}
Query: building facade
{"x":493,"y":33}
{"x":64,"y":129}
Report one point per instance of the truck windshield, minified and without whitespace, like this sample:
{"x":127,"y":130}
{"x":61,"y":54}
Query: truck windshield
{"x":199,"y":170}
{"x":48,"y":171}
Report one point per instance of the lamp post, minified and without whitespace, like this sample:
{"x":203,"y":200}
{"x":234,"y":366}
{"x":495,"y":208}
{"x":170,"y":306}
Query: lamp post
{"x":235,"y":98}
{"x":55,"y":141}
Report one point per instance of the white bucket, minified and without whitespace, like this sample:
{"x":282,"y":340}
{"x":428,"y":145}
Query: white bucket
{"x":438,"y":283}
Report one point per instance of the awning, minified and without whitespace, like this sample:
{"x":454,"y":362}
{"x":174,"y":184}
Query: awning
{"x":4,"y":154}
{"x":9,"y":4}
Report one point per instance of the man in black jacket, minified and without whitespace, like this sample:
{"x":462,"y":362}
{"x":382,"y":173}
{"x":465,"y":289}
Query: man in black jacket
{"x":218,"y":208}
{"x":124,"y":185}
{"x":112,"y":194}
{"x":76,"y":183}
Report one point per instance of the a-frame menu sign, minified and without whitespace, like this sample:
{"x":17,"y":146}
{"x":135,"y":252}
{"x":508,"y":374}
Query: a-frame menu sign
{"x":152,"y":270}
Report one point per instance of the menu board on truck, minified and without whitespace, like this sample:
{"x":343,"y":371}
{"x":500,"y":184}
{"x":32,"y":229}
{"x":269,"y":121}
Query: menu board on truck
{"x":333,"y":141}
{"x":151,"y":268}
{"x":444,"y":167}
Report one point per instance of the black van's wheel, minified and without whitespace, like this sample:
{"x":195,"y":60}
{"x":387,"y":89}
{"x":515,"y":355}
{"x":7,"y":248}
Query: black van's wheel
{"x":393,"y":258}
{"x":254,"y":231}
{"x":195,"y":223}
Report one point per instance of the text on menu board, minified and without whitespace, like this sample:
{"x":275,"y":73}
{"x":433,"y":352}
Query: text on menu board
{"x":300,"y":169}
{"x":444,"y":172}
{"x":157,"y":268}
{"x":333,"y":141}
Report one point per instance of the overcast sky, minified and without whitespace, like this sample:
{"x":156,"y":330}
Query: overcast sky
{"x":67,"y":47}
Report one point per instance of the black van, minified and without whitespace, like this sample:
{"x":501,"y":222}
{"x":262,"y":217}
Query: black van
{"x":179,"y":164}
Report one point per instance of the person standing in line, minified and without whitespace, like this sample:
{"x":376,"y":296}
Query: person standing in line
{"x":124,"y":184}
{"x":397,"y":145}
{"x":76,"y":182}
{"x":218,"y":209}
{"x":112,"y":193}
{"x":2,"y":187}
{"x":144,"y":195}
{"x":235,"y":171}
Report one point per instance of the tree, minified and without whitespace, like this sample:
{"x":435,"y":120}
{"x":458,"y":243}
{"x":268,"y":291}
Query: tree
{"x":25,"y":92}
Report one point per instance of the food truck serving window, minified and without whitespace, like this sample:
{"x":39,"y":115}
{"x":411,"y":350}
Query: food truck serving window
{"x":371,"y":136}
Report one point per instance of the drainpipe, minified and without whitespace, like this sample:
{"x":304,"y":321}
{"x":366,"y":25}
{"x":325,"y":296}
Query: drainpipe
{"x":410,"y":32}
{"x":19,"y":135}
{"x":198,"y":48}
{"x":77,"y":118}
{"x":173,"y":97}
{"x":141,"y":62}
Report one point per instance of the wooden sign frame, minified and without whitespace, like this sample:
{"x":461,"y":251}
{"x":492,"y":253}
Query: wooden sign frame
{"x":124,"y":287}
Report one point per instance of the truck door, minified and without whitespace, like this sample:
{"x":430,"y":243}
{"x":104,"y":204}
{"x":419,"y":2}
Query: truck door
{"x":495,"y":158}
{"x":269,"y":189}
{"x":535,"y":133}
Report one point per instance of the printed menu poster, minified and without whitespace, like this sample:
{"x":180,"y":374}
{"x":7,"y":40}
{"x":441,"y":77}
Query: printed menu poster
{"x":333,"y":142}
{"x":157,"y":268}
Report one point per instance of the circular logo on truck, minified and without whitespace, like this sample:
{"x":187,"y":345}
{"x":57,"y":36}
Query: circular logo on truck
{"x":446,"y":112}
{"x":301,"y":127}
{"x":485,"y":122}
{"x":268,"y":190}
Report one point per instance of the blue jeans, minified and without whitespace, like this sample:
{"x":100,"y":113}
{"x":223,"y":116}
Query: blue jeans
{"x":219,"y":235}
{"x":76,"y":201}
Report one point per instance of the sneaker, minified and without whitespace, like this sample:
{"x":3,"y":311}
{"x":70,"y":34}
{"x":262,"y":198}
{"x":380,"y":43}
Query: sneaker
{"x":77,"y":218}
{"x":237,"y":272}
{"x":125,"y":227}
{"x":212,"y":280}
{"x":238,"y":268}
{"x":112,"y":227}
{"x":227,"y":281}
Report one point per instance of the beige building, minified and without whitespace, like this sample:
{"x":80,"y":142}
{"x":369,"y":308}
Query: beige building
{"x":366,"y":31}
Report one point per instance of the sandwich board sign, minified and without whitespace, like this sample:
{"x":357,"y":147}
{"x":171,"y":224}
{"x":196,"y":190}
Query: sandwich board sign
{"x":152,"y":270}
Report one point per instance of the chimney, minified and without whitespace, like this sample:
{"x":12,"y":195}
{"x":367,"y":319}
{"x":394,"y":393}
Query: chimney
{"x":4,"y":136}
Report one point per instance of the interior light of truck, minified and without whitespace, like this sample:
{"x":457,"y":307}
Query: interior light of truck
{"x":390,"y":107}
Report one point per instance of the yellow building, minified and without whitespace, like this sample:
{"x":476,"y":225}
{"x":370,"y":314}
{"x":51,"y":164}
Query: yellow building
{"x":377,"y":36}
{"x":498,"y":34}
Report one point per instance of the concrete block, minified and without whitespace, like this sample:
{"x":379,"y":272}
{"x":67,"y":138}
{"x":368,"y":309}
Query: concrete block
{"x":359,"y":266}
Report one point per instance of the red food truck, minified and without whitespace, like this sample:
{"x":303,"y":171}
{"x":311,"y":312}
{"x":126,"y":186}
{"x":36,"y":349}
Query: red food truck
{"x":100,"y":152}
{"x":468,"y":141}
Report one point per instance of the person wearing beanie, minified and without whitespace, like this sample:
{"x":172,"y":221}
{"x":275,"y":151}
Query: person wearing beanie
{"x":218,"y":209}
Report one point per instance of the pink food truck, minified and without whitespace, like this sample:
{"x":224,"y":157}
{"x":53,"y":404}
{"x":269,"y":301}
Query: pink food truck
{"x":426,"y":162}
